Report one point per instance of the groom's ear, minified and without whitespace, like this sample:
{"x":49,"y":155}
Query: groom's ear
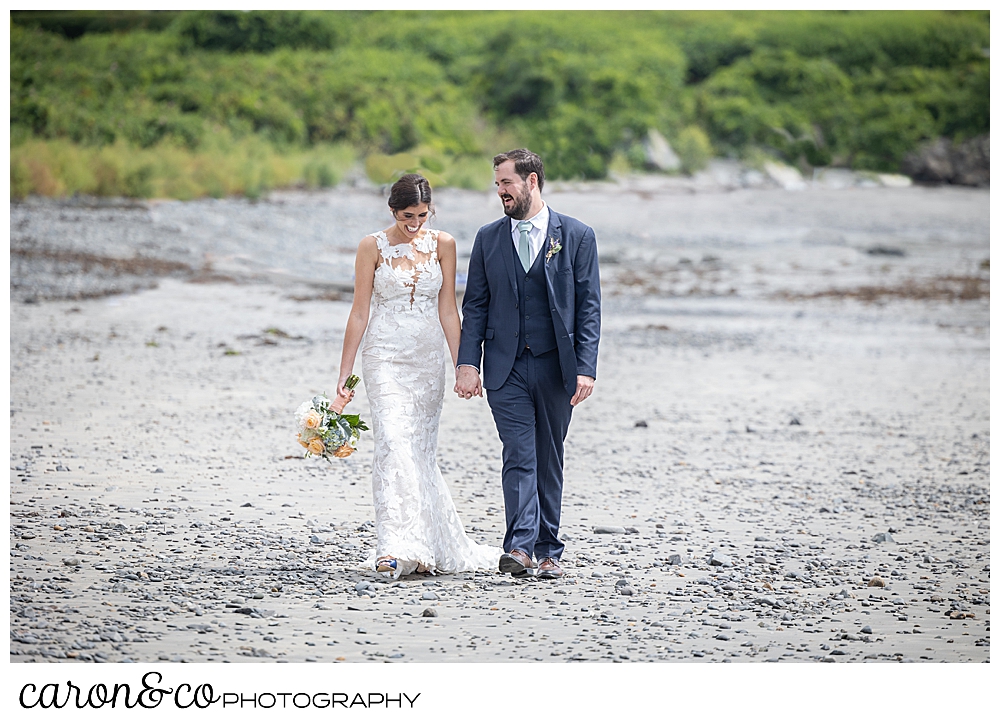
{"x":533,"y":180}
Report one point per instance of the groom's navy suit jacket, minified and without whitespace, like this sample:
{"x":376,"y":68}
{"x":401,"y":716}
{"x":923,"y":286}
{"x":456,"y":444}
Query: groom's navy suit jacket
{"x":490,"y":314}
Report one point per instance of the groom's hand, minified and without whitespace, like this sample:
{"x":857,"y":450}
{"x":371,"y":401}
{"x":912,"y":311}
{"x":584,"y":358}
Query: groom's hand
{"x":467,"y":384}
{"x":584,"y":387}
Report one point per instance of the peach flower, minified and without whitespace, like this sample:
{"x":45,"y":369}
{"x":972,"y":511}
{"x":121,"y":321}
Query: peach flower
{"x":344,"y":450}
{"x":313,"y":420}
{"x":315,"y":445}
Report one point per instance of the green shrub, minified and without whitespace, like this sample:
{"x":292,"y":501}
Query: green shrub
{"x":693,"y":148}
{"x":215,"y":90}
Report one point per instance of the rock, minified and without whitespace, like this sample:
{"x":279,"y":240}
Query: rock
{"x":609,"y":530}
{"x":880,"y":250}
{"x":596,"y":574}
{"x":894,"y":180}
{"x":641,"y":423}
{"x":659,"y":154}
{"x":71,"y":561}
{"x":760,"y":560}
{"x":867,"y":630}
{"x":720,"y":560}
{"x":429,"y":613}
{"x":675,"y":560}
{"x":795,"y":422}
{"x":787,"y":177}
{"x":941,"y":161}
{"x":363,"y":585}
{"x":246,"y":504}
{"x":428,"y":595}
{"x":882,"y":537}
{"x":876,"y":582}
{"x":838,"y":651}
{"x":158,"y":470}
{"x":722,"y":636}
{"x":621,"y":582}
{"x":626,"y":590}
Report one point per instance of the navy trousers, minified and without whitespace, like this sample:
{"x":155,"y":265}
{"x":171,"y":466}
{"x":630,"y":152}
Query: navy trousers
{"x":532,"y":414}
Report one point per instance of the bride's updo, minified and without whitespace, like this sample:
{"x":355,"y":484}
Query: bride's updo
{"x":410,"y":190}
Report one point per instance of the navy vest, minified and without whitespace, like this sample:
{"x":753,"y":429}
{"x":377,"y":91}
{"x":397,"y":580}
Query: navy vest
{"x":536,"y":329}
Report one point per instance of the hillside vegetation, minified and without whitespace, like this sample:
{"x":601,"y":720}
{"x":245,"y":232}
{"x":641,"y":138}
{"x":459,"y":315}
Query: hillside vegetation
{"x":184,"y":104}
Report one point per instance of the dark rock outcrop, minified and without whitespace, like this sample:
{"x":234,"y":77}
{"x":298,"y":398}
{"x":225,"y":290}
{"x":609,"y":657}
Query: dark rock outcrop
{"x":942,"y":161}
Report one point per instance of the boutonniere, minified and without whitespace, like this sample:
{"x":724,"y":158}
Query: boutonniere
{"x":554,"y":248}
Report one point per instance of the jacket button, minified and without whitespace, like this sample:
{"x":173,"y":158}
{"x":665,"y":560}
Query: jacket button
{"x":515,"y":333}
{"x":527,"y":318}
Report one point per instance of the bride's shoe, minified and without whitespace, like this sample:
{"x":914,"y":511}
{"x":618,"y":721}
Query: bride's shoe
{"x":387,"y":567}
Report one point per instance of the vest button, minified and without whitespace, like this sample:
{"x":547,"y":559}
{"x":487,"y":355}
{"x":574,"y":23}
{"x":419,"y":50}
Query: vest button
{"x":526,"y":318}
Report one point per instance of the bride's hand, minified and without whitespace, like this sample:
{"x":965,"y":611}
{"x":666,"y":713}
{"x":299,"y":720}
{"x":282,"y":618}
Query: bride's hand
{"x":344,"y":395}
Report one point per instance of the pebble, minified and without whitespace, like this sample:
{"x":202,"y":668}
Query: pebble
{"x":429,"y":613}
{"x":608,"y":530}
{"x":876,"y":582}
{"x":867,"y":630}
{"x":882,"y":537}
{"x":428,"y":595}
{"x":720,"y":560}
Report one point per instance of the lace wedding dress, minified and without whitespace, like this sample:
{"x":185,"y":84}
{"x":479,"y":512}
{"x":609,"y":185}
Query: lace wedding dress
{"x":403,"y":365}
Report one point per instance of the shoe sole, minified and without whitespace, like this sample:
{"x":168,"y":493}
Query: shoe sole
{"x":509,"y":564}
{"x":548,"y":575}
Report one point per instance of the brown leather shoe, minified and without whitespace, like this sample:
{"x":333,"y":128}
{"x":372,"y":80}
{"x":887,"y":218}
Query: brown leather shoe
{"x":548,"y":569}
{"x":516,"y":562}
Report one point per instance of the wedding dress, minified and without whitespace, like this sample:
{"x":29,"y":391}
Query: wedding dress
{"x":403,"y":366}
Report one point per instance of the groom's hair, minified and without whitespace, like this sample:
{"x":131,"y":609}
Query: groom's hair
{"x":525,"y":163}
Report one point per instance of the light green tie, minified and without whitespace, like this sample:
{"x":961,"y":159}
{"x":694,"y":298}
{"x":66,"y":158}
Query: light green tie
{"x":523,"y":245}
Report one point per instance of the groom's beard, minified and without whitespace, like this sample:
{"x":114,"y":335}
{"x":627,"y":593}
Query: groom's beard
{"x":522,"y":204}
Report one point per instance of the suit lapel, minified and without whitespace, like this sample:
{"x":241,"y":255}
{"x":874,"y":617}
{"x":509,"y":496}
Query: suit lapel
{"x":503,"y":237}
{"x":554,"y":231}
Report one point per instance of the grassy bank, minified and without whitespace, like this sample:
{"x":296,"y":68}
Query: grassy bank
{"x":219,"y":102}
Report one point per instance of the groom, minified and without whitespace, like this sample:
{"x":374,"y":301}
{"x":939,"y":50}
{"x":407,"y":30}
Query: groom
{"x":532,"y":315}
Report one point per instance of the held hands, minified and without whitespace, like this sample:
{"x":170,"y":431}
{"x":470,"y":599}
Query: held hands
{"x":584,"y":388}
{"x":467,"y":383}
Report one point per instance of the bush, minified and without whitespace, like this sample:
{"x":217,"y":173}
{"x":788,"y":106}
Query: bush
{"x":693,"y":148}
{"x":453,"y":88}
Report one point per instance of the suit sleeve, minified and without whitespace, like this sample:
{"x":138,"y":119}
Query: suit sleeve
{"x":475,"y":308}
{"x":588,"y":305}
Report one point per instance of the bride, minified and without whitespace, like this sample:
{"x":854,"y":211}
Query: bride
{"x":405,"y":308}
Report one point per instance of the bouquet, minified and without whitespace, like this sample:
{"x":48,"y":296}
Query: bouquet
{"x":323,"y":428}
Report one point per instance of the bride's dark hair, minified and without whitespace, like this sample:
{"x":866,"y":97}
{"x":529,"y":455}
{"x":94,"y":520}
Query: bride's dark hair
{"x":410,"y":190}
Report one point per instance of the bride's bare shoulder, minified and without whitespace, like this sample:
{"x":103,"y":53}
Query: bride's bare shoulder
{"x":445,"y":239}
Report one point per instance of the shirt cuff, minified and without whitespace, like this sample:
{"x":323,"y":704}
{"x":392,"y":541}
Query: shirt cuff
{"x":468,"y":365}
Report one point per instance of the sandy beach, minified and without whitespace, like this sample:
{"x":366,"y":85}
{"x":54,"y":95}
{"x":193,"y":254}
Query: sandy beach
{"x":786,"y":458}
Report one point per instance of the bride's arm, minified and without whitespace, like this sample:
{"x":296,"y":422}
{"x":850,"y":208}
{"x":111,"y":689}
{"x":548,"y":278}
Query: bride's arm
{"x":447,"y":306}
{"x":357,"y":321}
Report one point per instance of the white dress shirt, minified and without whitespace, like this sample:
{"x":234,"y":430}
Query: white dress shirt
{"x":536,"y":236}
